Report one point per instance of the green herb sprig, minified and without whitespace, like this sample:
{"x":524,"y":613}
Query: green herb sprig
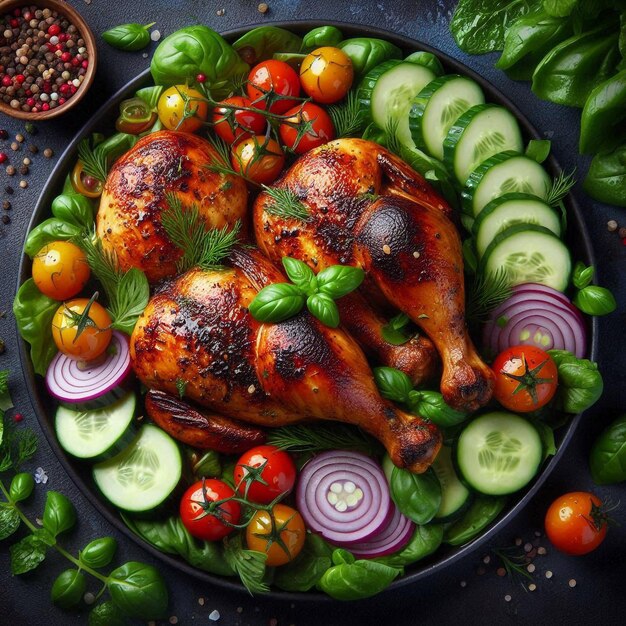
{"x":285,"y":203}
{"x":591,"y":299}
{"x":280,"y":301}
{"x":561,"y":186}
{"x":485,"y":293}
{"x":128,"y":37}
{"x":347,"y":116}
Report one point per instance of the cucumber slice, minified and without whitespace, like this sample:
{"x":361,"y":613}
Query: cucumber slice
{"x":499,"y":453}
{"x":144,"y":474}
{"x":455,"y":496}
{"x":510,"y":209}
{"x":438,"y":106}
{"x":97,"y":434}
{"x":528,"y":254}
{"x":481,"y":132}
{"x":387,"y":93}
{"x":505,"y":172}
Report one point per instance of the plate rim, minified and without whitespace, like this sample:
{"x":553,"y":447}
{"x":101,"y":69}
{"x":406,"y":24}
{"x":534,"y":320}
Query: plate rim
{"x":89,"y":490}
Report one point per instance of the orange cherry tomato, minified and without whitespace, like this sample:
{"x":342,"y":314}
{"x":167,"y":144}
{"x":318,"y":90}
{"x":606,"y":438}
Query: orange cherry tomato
{"x":60,"y":270}
{"x":279,"y":534}
{"x":277,"y":77}
{"x":526,"y":378}
{"x":80,"y":335}
{"x":258,"y":158}
{"x":231,"y":124}
{"x":182,"y":108}
{"x":83,"y":183}
{"x":326,"y":74}
{"x":575,"y":523}
{"x":321,"y":129}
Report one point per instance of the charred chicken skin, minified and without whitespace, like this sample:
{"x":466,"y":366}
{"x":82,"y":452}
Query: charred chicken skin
{"x":369,"y":209}
{"x":134,"y":196}
{"x":198,"y":328}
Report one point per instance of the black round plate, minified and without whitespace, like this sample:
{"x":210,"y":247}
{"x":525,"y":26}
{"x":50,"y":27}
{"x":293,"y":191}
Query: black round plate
{"x":577,"y":239}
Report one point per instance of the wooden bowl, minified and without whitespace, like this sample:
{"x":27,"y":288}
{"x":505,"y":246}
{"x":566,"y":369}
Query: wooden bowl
{"x":76,"y":19}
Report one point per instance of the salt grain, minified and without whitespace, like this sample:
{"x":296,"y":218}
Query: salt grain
{"x":528,"y":547}
{"x":416,"y":254}
{"x":507,"y":598}
{"x":155,"y":35}
{"x":572,"y":583}
{"x":532,"y":587}
{"x":173,"y":619}
{"x":486,"y":560}
{"x":541,"y":550}
{"x":530,"y":568}
{"x":548,"y":574}
{"x":201,"y":601}
{"x":463,"y":583}
{"x":214,"y":615}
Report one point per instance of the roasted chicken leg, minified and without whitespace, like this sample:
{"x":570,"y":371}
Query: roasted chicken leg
{"x":368,"y":208}
{"x":198,"y":329}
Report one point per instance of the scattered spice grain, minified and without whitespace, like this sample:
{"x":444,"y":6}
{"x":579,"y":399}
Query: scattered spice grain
{"x":572,"y":583}
{"x":263,"y":7}
{"x":48,"y":153}
{"x":549,"y":574}
{"x":6,"y":219}
{"x":23,"y":184}
{"x":622,"y":232}
{"x":10,"y":170}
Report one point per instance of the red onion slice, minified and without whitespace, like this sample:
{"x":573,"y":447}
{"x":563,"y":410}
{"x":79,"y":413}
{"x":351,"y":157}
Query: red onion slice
{"x":536,"y":315}
{"x":392,"y":538}
{"x":344,"y":497}
{"x":90,"y":385}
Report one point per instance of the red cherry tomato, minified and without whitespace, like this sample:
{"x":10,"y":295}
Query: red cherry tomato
{"x":203,"y":519}
{"x":231,"y":124}
{"x":265,"y":464}
{"x":275,"y":76}
{"x":575,"y":523}
{"x":321,"y":128}
{"x":259,"y":159}
{"x":526,"y":378}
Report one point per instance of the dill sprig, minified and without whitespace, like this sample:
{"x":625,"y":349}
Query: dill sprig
{"x":485,"y":293}
{"x":16,"y":446}
{"x":347,"y":117}
{"x":391,"y":130}
{"x":95,"y":163}
{"x":201,"y":247}
{"x":301,"y":438}
{"x":285,"y":203}
{"x":514,"y":564}
{"x":561,"y":186}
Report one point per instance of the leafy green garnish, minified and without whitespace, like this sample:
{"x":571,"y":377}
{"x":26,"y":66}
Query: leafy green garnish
{"x":398,"y":330}
{"x":249,"y":564}
{"x":561,"y":186}
{"x":347,"y":116}
{"x":285,"y":203}
{"x":202,"y":247}
{"x":94,"y":161}
{"x":486,"y":292}
{"x":5,"y":398}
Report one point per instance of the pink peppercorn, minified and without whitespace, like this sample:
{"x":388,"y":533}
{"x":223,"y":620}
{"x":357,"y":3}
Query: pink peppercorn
{"x":75,"y":62}
{"x":14,"y":23}
{"x":45,"y":106}
{"x":64,"y":89}
{"x":54,"y":29}
{"x":3,"y":157}
{"x":18,"y":417}
{"x":17,"y":12}
{"x":6,"y":80}
{"x":73,"y":89}
{"x":200,"y":78}
{"x":85,"y":64}
{"x":66,"y":57}
{"x":20,"y":78}
{"x":64,"y":37}
{"x":30,"y":102}
{"x":62,"y":100}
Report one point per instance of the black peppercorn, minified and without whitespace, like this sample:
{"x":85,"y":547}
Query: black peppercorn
{"x":6,"y":219}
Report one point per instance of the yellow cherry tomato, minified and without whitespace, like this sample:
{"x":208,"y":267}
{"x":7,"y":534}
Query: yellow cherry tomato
{"x":182,"y":108}
{"x":279,"y":534}
{"x":326,"y":74}
{"x":60,"y":270}
{"x":79,"y":334}
{"x":83,"y":183}
{"x":258,"y":158}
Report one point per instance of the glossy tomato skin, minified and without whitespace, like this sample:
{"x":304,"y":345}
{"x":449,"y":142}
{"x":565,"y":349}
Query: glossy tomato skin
{"x":526,"y":378}
{"x":575,"y":524}
{"x":178,"y":100}
{"x":232,"y":124}
{"x":215,"y":525}
{"x":259,"y":159}
{"x":326,"y":74}
{"x":278,"y":471}
{"x":95,"y":336}
{"x":277,"y":76}
{"x":60,"y":270}
{"x":322,"y":129}
{"x":84,"y":184}
{"x":284,"y":522}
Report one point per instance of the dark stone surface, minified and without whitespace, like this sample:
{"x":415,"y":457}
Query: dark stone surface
{"x":599,"y":594}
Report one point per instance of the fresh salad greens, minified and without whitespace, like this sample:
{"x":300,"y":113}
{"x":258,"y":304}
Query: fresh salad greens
{"x":608,"y":454}
{"x":128,"y":37}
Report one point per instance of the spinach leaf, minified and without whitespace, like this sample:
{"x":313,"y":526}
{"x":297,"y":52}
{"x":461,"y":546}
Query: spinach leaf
{"x":33,"y":313}
{"x":572,"y":69}
{"x":321,"y":36}
{"x":150,"y":95}
{"x":52,"y":229}
{"x":128,"y":37}
{"x":360,"y":579}
{"x":368,"y":52}
{"x":425,"y":540}
{"x":478,"y":26}
{"x":139,"y":590}
{"x":481,"y":513}
{"x":559,"y":8}
{"x":608,"y":454}
{"x":305,"y":571}
{"x":418,"y":496}
{"x":197,"y":50}
{"x":260,"y":44}
{"x":606,"y":178}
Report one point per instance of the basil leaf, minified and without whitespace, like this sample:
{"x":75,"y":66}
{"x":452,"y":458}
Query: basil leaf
{"x":322,"y":36}
{"x":608,"y":454}
{"x":580,"y":382}
{"x":481,"y":513}
{"x":139,"y":590}
{"x":22,"y":486}
{"x":74,"y":209}
{"x":300,"y":274}
{"x":398,"y":330}
{"x":538,"y":149}
{"x":582,"y":275}
{"x":59,"y":513}
{"x":150,"y":95}
{"x":106,"y":614}
{"x":546,"y":435}
{"x":305,"y":571}
{"x":479,"y":26}
{"x":277,"y":302}
{"x":432,"y":406}
{"x":595,"y":300}
{"x":606,"y":178}
{"x":339,"y":280}
{"x":33,"y":313}
{"x":52,"y":229}
{"x":559,"y":8}
{"x":204,"y":464}
{"x":323,"y":307}
{"x":393,"y":384}
{"x":27,"y":554}
{"x":259,"y":44}
{"x":128,"y":37}
{"x":424,"y":541}
{"x":68,"y":589}
{"x":9,"y":520}
{"x":99,"y":552}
